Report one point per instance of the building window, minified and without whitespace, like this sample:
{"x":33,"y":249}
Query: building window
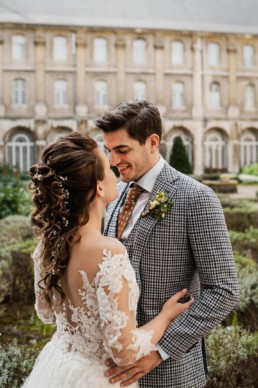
{"x":100,"y":50}
{"x":101,"y":93}
{"x":139,"y":52}
{"x":214,"y":96}
{"x":60,"y":93}
{"x":21,"y":151}
{"x":18,"y":47}
{"x":178,"y":98}
{"x":248,"y":55}
{"x":19,"y":92}
{"x":249,"y":98}
{"x":214,"y":54}
{"x":248,"y":149}
{"x":177,"y":53}
{"x":215,"y":152}
{"x":140,"y":90}
{"x":60,"y":48}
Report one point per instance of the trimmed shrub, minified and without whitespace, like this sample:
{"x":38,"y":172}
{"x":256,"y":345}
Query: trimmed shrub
{"x":179,"y":158}
{"x":232,"y":358}
{"x":16,"y":245}
{"x":250,"y":169}
{"x":247,"y":307}
{"x":246,"y":243}
{"x":240,"y":215}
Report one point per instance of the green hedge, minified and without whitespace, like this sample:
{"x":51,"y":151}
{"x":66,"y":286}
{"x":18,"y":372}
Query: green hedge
{"x":246,"y":243}
{"x":232,"y":358}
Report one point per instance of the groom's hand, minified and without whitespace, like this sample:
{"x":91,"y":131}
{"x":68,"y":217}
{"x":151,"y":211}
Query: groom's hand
{"x":132,"y":373}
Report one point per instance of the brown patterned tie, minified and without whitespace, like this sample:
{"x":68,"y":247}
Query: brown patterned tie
{"x":127,"y":209}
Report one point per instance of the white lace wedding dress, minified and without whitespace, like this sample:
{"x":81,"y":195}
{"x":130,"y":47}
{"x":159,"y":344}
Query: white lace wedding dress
{"x":102,"y":324}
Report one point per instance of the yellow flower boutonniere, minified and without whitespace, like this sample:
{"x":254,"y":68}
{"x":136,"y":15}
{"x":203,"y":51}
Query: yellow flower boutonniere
{"x":159,"y":206}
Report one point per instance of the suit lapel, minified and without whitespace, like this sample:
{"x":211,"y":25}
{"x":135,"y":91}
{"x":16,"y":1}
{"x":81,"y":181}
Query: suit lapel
{"x":165,"y":182}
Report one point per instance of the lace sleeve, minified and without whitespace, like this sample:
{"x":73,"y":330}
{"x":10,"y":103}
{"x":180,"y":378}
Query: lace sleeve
{"x":44,"y":312}
{"x":117,"y":295}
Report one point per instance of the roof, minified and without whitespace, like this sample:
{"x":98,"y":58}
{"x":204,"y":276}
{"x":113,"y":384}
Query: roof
{"x":235,"y":16}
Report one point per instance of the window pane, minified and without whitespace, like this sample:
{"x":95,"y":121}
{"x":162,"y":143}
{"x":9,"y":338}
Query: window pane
{"x":249,"y":97}
{"x":101,"y":93}
{"x":100,"y":50}
{"x":18,"y":47}
{"x":177,"y":53}
{"x":139,"y":51}
{"x":214,"y":54}
{"x":60,"y":92}
{"x":60,"y":48}
{"x":140,"y":90}
{"x":214,"y":96}
{"x":248,"y":56}
{"x":178,"y":95}
{"x":19,"y":92}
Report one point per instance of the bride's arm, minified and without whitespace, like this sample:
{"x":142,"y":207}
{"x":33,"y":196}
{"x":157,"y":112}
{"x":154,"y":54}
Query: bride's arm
{"x":117,"y":296}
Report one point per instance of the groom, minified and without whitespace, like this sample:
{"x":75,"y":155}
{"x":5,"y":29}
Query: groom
{"x":188,"y":247}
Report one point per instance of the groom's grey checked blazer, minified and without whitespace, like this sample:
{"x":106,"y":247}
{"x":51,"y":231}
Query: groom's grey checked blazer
{"x":188,"y":248}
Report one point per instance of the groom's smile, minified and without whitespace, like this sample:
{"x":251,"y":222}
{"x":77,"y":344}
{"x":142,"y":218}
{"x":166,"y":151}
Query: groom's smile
{"x":132,"y":158}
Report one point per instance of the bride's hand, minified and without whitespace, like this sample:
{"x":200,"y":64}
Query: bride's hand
{"x":172,"y":308}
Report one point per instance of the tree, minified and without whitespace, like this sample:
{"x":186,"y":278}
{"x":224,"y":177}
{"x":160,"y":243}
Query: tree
{"x":179,"y":158}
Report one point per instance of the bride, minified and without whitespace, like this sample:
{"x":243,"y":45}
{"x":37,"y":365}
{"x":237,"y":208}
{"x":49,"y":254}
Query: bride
{"x":84,"y":282}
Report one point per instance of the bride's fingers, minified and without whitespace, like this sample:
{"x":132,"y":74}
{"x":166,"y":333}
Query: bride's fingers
{"x":175,"y":298}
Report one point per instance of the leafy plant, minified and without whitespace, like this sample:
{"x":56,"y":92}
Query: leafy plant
{"x":179,"y":158}
{"x":250,"y":169}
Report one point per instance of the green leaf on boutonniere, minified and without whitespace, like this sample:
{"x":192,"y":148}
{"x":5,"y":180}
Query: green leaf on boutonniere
{"x":159,"y":206}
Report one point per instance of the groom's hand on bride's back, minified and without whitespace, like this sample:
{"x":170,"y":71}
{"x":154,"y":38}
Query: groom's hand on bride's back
{"x":132,"y":373}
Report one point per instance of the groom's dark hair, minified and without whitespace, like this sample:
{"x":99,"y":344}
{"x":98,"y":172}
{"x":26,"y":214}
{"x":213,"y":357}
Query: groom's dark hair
{"x":140,"y":118}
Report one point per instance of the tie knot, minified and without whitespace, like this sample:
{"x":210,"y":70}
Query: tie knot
{"x":133,"y":193}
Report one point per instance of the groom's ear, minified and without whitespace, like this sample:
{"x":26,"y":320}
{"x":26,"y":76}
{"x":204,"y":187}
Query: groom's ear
{"x":154,"y":142}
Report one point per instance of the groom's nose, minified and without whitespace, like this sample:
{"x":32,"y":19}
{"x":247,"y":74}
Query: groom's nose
{"x":114,"y":159}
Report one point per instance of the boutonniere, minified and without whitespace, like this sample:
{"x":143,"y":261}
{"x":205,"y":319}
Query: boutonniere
{"x":159,"y":206}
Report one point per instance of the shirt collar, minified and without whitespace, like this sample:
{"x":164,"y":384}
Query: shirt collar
{"x":148,"y":180}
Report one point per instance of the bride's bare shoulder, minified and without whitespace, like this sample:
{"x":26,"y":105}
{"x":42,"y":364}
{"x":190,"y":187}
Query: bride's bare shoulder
{"x":111,"y":244}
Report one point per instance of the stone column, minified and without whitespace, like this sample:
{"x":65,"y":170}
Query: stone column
{"x":2,"y":107}
{"x":40,"y":106}
{"x":197,"y":110}
{"x":120,"y":60}
{"x":233,"y":109}
{"x":159,"y":71}
{"x":81,"y":107}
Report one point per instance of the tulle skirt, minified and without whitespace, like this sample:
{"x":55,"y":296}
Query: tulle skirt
{"x":55,"y":369}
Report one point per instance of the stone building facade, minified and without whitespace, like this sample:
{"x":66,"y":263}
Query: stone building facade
{"x":56,"y":79}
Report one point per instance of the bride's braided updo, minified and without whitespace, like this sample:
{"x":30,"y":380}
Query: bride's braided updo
{"x":64,"y":184}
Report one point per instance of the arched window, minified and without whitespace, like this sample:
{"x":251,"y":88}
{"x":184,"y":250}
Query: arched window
{"x":18,"y":47}
{"x":214,"y":96}
{"x":215,"y":151}
{"x":101,"y":93}
{"x":178,"y":95}
{"x":177,"y":53}
{"x":140,"y":90}
{"x":248,"y":149}
{"x":139,"y":51}
{"x":60,"y":48}
{"x":60,"y":92}
{"x":187,"y":141}
{"x":19,"y":92}
{"x":249,"y":97}
{"x":214,"y":54}
{"x":100,"y":50}
{"x":21,"y":151}
{"x":248,"y":55}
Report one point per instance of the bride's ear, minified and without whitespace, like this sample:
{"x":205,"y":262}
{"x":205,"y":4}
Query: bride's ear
{"x":100,"y":189}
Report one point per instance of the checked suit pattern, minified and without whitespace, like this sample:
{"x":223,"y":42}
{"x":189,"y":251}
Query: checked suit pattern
{"x":188,"y":248}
